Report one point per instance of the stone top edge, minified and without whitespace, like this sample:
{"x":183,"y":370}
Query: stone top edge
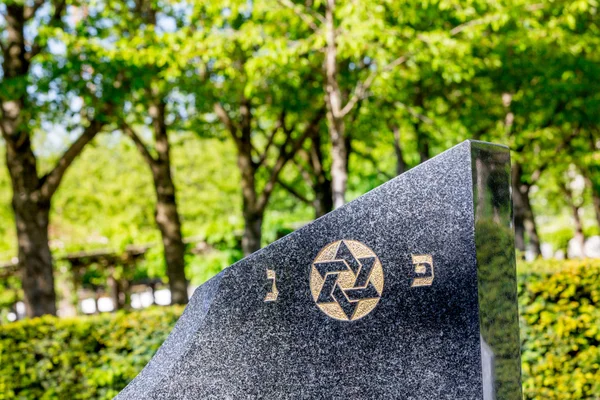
{"x":481,"y":144}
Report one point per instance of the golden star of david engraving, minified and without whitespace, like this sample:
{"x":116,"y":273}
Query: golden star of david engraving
{"x":346,"y":280}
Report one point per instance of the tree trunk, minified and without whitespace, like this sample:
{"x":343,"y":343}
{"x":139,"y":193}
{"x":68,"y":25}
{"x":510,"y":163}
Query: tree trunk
{"x":422,"y":137}
{"x":519,"y":222}
{"x":339,"y":166}
{"x":251,"y":241}
{"x":76,"y":281}
{"x":531,"y":227}
{"x":255,"y":201}
{"x":321,"y":184}
{"x":97,"y":300}
{"x":596,"y":203}
{"x":31,"y":205}
{"x":114,"y":290}
{"x":66,"y":306}
{"x":35,"y":259}
{"x":323,"y":202}
{"x":31,"y":194}
{"x":400,"y":164}
{"x":31,"y":211}
{"x":253,"y":217}
{"x":152,"y":292}
{"x":335,"y":120}
{"x":169,"y":224}
{"x":595,"y":198}
{"x":423,"y":145}
{"x":166,"y":214}
{"x":125,"y":288}
{"x":524,"y":219}
{"x":579,"y":236}
{"x":15,"y":64}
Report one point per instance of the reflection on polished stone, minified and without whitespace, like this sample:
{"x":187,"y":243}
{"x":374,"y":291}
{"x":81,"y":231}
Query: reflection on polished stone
{"x":487,"y":371}
{"x":494,"y":242}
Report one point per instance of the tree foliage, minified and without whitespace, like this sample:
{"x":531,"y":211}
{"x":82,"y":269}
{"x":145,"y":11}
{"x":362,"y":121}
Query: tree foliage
{"x":277,"y":110}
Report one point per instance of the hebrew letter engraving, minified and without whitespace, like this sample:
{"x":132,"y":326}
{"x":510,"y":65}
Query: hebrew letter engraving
{"x":272,"y":295}
{"x":423,"y":270}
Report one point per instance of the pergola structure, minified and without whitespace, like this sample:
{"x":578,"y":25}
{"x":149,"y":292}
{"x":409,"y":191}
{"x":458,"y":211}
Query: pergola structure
{"x":118,"y":286}
{"x":118,"y":266}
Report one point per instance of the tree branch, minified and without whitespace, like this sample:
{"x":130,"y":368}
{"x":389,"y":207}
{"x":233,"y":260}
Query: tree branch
{"x":538,"y":172}
{"x":304,"y":170}
{"x":560,"y":107}
{"x":370,"y":158}
{"x":314,"y":160}
{"x":59,"y":7}
{"x":362,"y":87}
{"x":224,"y":117}
{"x":415,"y":113}
{"x":58,"y":10}
{"x":304,"y":13}
{"x":51,"y":180}
{"x":293,"y":191}
{"x":285,"y":156}
{"x":479,"y":21}
{"x":30,"y":11}
{"x":280,"y":123}
{"x":138,"y":143}
{"x":227,"y":121}
{"x":568,"y":192}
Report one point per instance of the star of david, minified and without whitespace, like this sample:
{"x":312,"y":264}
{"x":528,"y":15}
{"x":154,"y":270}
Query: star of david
{"x":332,"y":291}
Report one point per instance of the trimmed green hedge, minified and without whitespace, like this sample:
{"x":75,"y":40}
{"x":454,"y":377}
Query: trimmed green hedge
{"x":95,"y":357}
{"x":79,"y":358}
{"x":559,"y":303}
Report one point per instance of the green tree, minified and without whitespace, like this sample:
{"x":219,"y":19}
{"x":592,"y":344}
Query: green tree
{"x":143,"y":46}
{"x":351,"y":36}
{"x":19,"y":100}
{"x":262,"y":93}
{"x":548,"y":89}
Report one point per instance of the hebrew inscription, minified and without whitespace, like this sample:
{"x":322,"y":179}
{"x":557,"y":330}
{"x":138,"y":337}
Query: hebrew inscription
{"x":423,"y":270}
{"x":272,"y":295}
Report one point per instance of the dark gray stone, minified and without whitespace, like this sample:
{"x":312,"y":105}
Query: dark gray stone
{"x":447,"y":331}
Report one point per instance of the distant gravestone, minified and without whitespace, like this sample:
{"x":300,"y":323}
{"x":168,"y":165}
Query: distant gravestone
{"x":408,"y":292}
{"x":575,"y":249}
{"x":591,"y":249}
{"x":547,"y":250}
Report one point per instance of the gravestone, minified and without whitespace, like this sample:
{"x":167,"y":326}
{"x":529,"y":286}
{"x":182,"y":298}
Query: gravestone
{"x":407,"y":292}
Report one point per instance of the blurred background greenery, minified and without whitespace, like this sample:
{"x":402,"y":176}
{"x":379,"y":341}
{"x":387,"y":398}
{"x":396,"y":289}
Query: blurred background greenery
{"x":149,"y":144}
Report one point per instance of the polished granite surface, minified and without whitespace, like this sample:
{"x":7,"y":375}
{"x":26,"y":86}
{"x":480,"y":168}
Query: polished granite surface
{"x":407,"y":292}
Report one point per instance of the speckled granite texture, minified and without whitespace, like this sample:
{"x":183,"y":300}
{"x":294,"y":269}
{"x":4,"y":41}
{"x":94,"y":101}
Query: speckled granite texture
{"x":452,"y":337}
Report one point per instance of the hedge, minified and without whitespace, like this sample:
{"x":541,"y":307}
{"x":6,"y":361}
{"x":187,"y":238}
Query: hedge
{"x":559,"y":303}
{"x":95,"y":357}
{"x":79,"y":358}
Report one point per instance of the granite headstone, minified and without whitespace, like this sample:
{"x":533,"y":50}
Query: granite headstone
{"x":407,"y":292}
